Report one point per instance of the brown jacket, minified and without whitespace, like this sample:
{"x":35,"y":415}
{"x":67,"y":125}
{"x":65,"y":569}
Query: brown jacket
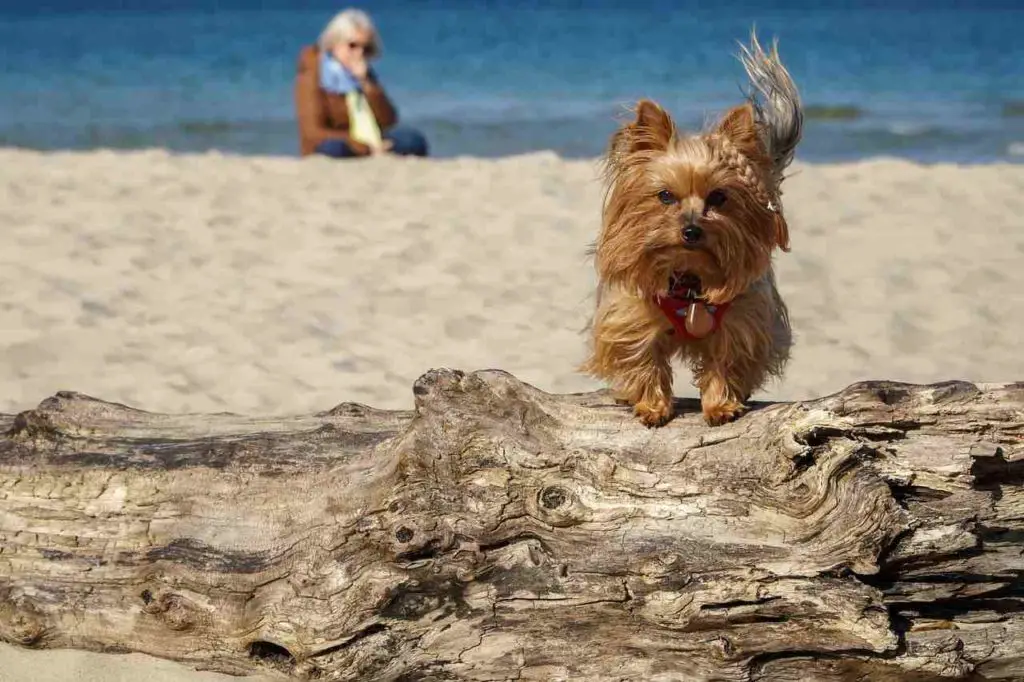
{"x":323,"y":116}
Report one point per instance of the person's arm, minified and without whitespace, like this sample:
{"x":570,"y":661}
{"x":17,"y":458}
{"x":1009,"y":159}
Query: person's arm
{"x":310,"y":112}
{"x":383,"y":110}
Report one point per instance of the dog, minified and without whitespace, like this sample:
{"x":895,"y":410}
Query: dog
{"x":690,"y":224}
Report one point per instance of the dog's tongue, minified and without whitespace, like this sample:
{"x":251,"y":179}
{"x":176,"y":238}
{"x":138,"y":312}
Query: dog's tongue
{"x":699,"y":322}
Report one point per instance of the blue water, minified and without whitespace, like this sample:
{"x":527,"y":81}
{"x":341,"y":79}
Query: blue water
{"x":931,"y":80}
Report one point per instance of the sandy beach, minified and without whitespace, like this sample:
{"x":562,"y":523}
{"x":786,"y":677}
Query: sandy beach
{"x":274,"y":285}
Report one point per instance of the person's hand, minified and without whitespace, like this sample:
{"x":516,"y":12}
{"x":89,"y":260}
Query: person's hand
{"x":360,"y":149}
{"x":359,"y":68}
{"x":384,"y":148}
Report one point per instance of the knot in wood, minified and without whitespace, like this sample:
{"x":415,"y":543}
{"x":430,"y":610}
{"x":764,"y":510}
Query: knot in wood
{"x":553,"y":497}
{"x":271,"y":652}
{"x":556,"y":504}
{"x":20,"y":621}
{"x":348,"y":410}
{"x":175,"y":611}
{"x":25,"y":628}
{"x":437,"y":378}
{"x":723,"y":646}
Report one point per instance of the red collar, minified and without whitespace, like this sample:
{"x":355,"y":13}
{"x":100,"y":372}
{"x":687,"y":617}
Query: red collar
{"x":684,"y":292}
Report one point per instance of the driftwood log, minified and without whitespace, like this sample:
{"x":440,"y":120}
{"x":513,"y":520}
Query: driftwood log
{"x":498,"y":532}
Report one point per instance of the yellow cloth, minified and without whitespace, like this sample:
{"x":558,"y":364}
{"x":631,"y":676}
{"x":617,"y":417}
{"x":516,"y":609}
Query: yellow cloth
{"x":362,"y":124}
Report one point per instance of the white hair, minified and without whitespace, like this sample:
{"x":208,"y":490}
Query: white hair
{"x":342,"y":27}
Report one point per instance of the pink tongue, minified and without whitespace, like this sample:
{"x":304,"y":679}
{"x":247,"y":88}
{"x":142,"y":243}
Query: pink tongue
{"x":699,"y":321}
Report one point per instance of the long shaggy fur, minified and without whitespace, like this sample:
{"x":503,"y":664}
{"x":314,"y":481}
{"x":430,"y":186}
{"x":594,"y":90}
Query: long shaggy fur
{"x":776,"y":104}
{"x":725,"y":181}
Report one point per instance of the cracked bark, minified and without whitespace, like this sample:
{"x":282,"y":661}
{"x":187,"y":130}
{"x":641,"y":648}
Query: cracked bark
{"x":498,"y":532}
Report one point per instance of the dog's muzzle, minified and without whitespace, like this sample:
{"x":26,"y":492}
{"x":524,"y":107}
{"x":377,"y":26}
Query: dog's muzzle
{"x":693,"y":235}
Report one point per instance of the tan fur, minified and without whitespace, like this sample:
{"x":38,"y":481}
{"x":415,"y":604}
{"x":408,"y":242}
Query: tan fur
{"x":641,"y":245}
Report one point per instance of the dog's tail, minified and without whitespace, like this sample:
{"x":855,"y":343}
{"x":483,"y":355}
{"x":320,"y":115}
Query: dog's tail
{"x":776,"y":103}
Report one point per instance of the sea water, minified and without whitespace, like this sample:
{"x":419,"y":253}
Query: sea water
{"x":929,"y":80}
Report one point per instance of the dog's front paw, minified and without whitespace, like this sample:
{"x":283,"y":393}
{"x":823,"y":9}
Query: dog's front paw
{"x":722,"y":413}
{"x":653,"y":414}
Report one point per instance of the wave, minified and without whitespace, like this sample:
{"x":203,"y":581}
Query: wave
{"x":1013,"y":109}
{"x":911,"y":129}
{"x":833,"y":112}
{"x":212,"y":127}
{"x":829,"y":137}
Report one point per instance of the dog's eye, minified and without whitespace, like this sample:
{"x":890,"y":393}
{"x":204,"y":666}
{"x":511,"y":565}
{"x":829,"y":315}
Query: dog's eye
{"x":666,"y":197}
{"x":715,"y":199}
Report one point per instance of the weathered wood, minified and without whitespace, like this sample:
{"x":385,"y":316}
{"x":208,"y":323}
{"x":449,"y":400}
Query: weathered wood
{"x":499,"y":532}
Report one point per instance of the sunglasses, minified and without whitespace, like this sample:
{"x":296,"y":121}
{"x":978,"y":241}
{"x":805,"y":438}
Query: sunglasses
{"x":365,"y":47}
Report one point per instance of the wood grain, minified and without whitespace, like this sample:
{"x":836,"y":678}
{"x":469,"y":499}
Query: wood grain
{"x":498,"y":532}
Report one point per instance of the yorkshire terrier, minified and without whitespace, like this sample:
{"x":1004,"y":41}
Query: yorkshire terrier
{"x":684,"y":256}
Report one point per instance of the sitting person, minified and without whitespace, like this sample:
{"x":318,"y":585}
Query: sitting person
{"x":341,"y":107}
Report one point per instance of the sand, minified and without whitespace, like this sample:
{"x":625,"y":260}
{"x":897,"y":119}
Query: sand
{"x":274,"y":286}
{"x":67,"y":665}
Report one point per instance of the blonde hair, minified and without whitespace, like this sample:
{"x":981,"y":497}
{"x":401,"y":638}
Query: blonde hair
{"x":344,"y":24}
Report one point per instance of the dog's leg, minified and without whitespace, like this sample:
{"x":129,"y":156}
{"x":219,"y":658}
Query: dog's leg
{"x":725,"y":384}
{"x":648,"y":384}
{"x":632,"y":352}
{"x":734,"y":363}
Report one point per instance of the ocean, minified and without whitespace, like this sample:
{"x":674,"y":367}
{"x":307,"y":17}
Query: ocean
{"x":932,"y":81}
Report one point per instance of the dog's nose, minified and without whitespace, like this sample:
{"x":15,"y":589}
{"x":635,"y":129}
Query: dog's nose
{"x":692,"y":234}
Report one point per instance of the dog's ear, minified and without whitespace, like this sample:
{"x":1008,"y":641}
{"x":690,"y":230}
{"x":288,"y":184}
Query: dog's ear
{"x":651,"y":130}
{"x":653,"y":126}
{"x":781,"y":231}
{"x":740,"y":127}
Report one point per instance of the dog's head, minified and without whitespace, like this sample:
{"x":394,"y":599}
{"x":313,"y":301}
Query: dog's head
{"x":703,"y":204}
